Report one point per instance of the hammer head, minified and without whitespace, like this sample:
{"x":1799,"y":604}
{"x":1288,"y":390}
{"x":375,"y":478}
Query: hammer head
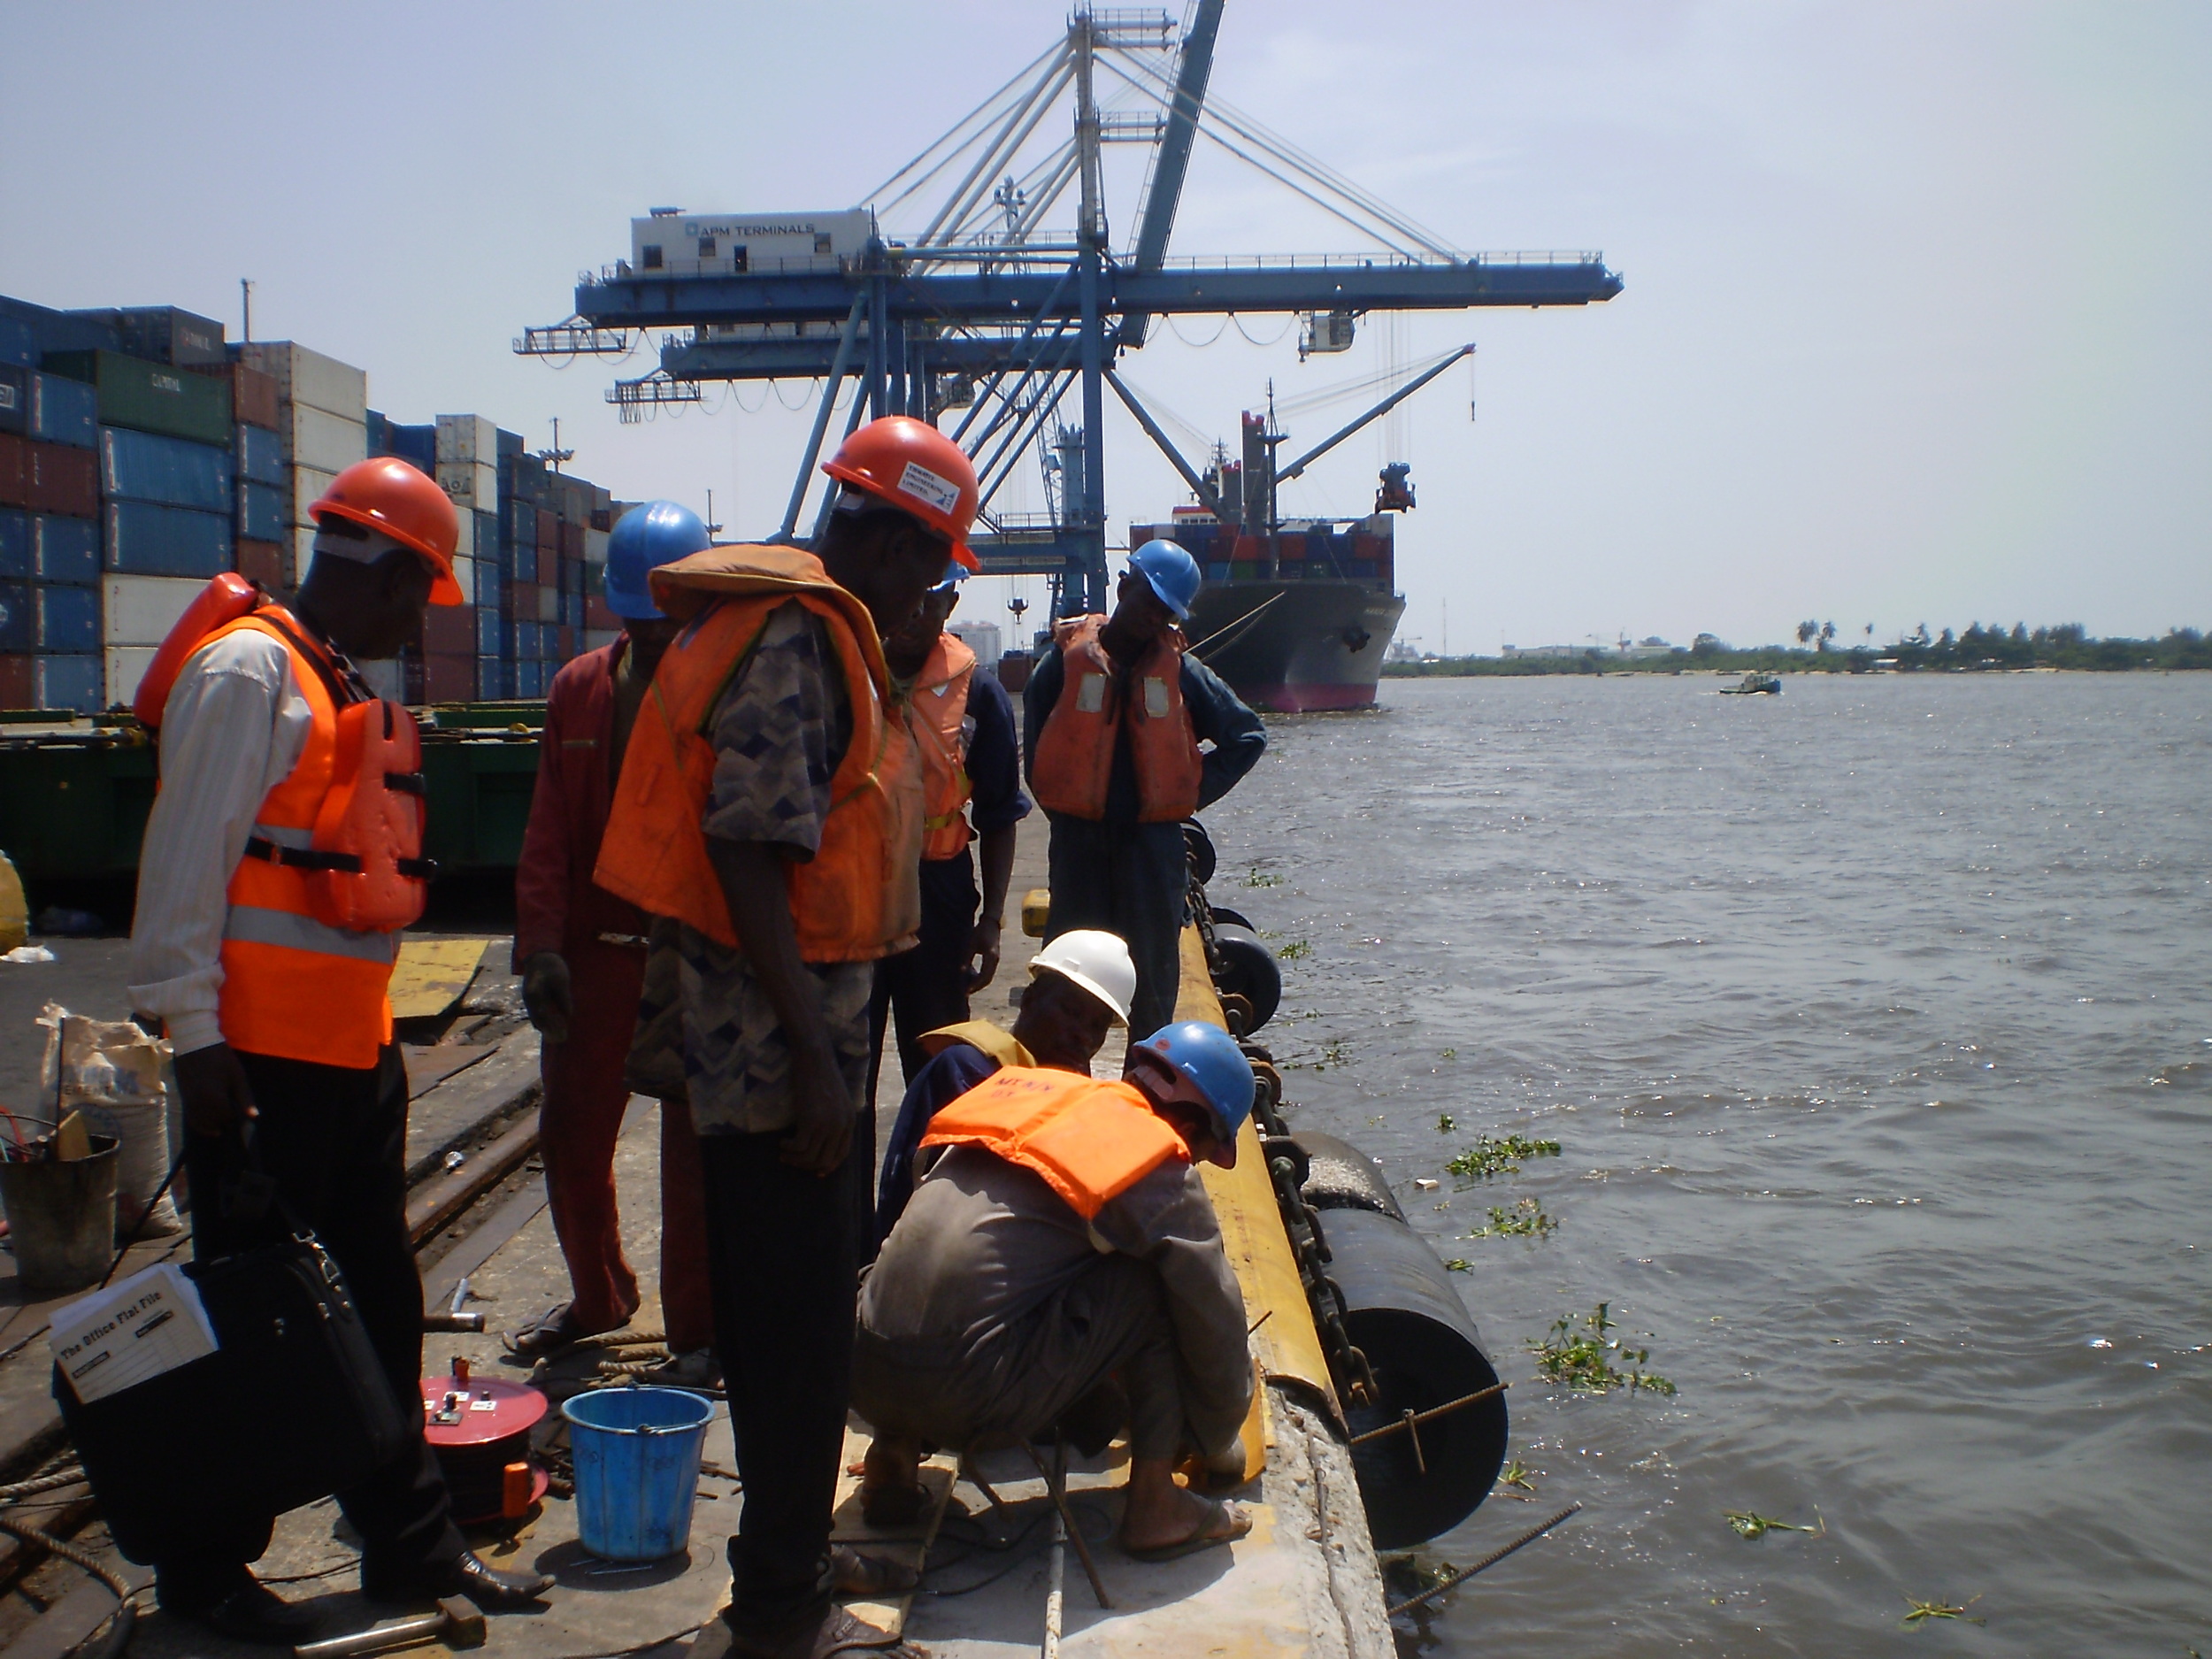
{"x":464,"y":1624}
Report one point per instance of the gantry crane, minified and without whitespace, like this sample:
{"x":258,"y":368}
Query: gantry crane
{"x":982,"y":308}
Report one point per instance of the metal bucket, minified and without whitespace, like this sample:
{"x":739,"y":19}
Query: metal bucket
{"x":61,"y":1217}
{"x":1405,"y":1315}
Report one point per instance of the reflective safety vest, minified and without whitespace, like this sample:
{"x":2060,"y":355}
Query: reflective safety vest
{"x":860,"y":896}
{"x":938,"y":711}
{"x":1091,"y":1141}
{"x":333,"y":870}
{"x":1074,"y":759}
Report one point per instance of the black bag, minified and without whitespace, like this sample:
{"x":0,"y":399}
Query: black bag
{"x":291,"y":1407}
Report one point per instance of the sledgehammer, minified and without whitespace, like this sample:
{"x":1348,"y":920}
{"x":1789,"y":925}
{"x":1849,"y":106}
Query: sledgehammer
{"x":457,"y":1622}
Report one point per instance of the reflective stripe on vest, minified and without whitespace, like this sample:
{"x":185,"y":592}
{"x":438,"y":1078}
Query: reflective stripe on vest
{"x":938,"y":711}
{"x":1073,"y":765}
{"x":1089,"y":1141}
{"x":859,"y":897}
{"x":294,"y":987}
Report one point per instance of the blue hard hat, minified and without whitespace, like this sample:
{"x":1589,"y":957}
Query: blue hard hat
{"x":1209,"y":1057}
{"x":1172,"y":572}
{"x":955,"y":573}
{"x":658,"y":533}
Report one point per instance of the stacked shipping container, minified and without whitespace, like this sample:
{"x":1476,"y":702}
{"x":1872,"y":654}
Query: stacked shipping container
{"x":139,"y":454}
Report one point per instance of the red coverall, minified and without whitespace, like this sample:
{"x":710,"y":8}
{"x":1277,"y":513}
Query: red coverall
{"x":558,"y":908}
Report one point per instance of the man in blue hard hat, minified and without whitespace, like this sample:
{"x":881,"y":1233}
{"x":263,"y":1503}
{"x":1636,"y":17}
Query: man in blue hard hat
{"x":1083,"y":1287}
{"x":581,"y":953}
{"x":1113,"y":722}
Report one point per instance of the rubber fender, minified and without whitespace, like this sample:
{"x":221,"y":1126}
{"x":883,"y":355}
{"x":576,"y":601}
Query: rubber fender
{"x":1198,"y":846}
{"x":1233,"y":919}
{"x":1250,"y":971}
{"x":1339,"y":1176}
{"x":1405,"y":1315}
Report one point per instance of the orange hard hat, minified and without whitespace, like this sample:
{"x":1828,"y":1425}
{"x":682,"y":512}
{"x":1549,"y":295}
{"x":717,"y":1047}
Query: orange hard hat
{"x":917,"y":469}
{"x":385,"y":493}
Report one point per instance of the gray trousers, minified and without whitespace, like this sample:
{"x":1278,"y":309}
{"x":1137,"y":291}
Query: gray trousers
{"x":1021,"y":1378}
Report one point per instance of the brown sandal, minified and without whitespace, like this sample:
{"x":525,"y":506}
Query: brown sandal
{"x":874,"y":1577}
{"x":839,"y":1633}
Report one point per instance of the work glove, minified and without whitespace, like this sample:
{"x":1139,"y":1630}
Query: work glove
{"x":546,"y":996}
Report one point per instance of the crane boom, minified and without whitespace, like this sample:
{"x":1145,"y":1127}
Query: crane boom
{"x":1161,"y":200}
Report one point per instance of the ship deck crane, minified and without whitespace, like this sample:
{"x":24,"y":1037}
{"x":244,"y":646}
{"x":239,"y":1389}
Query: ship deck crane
{"x":982,"y":304}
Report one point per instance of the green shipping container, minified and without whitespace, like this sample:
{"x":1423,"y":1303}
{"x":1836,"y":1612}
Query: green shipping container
{"x":150,"y":396}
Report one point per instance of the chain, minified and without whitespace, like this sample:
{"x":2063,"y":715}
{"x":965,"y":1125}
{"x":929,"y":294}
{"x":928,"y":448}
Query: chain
{"x":1349,"y":1369}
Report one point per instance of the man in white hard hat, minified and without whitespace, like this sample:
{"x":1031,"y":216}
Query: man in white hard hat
{"x":1079,"y":987}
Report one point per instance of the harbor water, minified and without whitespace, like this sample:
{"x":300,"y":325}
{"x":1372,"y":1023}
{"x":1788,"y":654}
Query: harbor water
{"x":1874,"y":1021}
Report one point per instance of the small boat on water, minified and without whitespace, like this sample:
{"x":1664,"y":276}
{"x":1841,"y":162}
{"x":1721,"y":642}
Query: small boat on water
{"x":1755,"y":684}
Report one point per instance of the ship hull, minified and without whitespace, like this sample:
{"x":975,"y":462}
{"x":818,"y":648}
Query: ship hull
{"x":1295,"y":647}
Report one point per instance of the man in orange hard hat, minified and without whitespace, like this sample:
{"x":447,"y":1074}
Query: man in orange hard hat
{"x":773,"y":805}
{"x":279,"y":1022}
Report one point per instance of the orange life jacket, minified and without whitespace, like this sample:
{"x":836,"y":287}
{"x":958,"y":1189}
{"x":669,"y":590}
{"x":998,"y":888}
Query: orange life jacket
{"x":938,"y":711}
{"x":1091,"y":1141}
{"x":1074,"y":760}
{"x":860,"y":896}
{"x":333,"y":870}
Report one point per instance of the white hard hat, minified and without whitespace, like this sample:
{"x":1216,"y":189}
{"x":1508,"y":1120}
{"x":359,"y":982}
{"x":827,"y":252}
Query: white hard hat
{"x":1096,"y":961}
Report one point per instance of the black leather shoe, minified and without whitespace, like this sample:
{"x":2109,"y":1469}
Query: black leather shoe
{"x":255,"y":1614}
{"x":492,"y":1591}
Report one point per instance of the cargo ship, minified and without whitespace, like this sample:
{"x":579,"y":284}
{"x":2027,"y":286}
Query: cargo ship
{"x":1295,"y":615}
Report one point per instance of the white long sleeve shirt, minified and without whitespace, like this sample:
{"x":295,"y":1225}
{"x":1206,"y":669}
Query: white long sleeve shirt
{"x":233,"y":729}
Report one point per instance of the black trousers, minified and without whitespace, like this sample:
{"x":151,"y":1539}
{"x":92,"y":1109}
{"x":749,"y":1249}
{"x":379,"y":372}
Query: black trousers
{"x":1130,"y":880}
{"x":335,"y":1141}
{"x":925,"y":987}
{"x":783,"y":1251}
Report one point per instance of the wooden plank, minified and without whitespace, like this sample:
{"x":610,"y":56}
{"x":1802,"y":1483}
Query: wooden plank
{"x":454,"y":1112}
{"x":446,"y":1197}
{"x":431,"y":975}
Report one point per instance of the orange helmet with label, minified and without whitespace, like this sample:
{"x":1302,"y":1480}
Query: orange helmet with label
{"x":385,"y":493}
{"x":915,"y":468}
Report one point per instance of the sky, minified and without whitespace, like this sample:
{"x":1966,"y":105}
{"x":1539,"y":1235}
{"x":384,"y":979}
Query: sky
{"x":1910,"y":331}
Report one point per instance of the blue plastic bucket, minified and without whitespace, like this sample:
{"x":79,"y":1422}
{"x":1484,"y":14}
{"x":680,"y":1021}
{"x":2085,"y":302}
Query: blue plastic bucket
{"x":637,"y":1453}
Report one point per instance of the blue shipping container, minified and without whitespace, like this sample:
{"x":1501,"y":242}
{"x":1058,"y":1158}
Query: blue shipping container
{"x":64,"y":411}
{"x":488,"y":632}
{"x":17,"y":617}
{"x":530,"y":680}
{"x":15,"y":397}
{"x":261,"y":455}
{"x":15,"y":544}
{"x":492,"y":683}
{"x":146,"y":466}
{"x":144,"y":539}
{"x":65,"y":550}
{"x":488,"y":535}
{"x":68,"y":617}
{"x":70,"y":682}
{"x":16,"y":345}
{"x":260,"y":509}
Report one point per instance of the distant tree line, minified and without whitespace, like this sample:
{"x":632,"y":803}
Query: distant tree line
{"x":2067,"y":646}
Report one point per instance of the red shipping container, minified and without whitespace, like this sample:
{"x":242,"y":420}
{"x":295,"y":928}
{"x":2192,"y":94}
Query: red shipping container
{"x":548,"y":567}
{"x":568,"y":642}
{"x":262,"y":562}
{"x":572,"y":541}
{"x":597,"y":615}
{"x":19,"y":683}
{"x":12,"y":493}
{"x":549,"y":529}
{"x":253,"y":398}
{"x":449,"y":679}
{"x":449,"y":631}
{"x":522,"y":600}
{"x":58,"y":478}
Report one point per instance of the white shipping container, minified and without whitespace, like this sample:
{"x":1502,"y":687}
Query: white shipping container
{"x":599,"y":639}
{"x":465,"y":547}
{"x":595,"y":546}
{"x":466,"y":571}
{"x":469,"y":439}
{"x":386,"y":678}
{"x":141,"y":609}
{"x":308,"y":485}
{"x":308,"y":377}
{"x":126,"y":667}
{"x":316,"y":438}
{"x":302,"y":539}
{"x":549,"y":604}
{"x":472,"y":484}
{"x":725,"y":244}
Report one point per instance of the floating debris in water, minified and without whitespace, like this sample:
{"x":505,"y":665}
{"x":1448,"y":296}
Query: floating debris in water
{"x":1459,"y":1265}
{"x":1444,"y":1122}
{"x":1499,"y":1156}
{"x":1586,"y":1363}
{"x":1940,"y":1610}
{"x":1258,"y":878}
{"x":1525,"y":1220}
{"x":1517,"y":1476}
{"x":1424,"y":1184}
{"x":1749,"y":1526}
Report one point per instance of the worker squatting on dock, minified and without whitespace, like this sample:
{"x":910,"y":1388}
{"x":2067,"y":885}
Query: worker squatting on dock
{"x":767,"y":794}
